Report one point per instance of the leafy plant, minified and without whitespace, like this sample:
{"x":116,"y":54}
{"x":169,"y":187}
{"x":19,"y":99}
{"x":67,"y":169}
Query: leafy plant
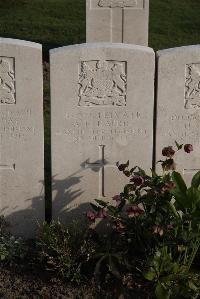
{"x":12,"y":249}
{"x":64,"y":250}
{"x":157,"y":219}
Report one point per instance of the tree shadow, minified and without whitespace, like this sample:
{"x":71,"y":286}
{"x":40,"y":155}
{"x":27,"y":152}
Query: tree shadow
{"x":25,"y":223}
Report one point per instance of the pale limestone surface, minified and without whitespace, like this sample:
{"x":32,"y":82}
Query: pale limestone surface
{"x":21,"y":135}
{"x":102,"y":109}
{"x":178,"y":105}
{"x":117,"y":21}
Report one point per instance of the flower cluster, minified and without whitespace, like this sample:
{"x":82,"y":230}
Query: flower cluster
{"x":91,"y":216}
{"x":135,"y":211}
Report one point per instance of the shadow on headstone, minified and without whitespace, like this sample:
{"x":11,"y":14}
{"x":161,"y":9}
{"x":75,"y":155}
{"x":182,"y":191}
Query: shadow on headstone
{"x":25,"y":223}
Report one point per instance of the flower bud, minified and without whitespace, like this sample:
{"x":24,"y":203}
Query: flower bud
{"x":137,"y":180}
{"x":102,"y":214}
{"x":117,"y":198}
{"x":168,"y":152}
{"x":168,"y":186}
{"x":91,"y":216}
{"x":188,"y":148}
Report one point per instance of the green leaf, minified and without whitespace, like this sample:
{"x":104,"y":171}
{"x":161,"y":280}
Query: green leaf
{"x":180,"y":191}
{"x":192,"y":286}
{"x":150,"y":275}
{"x":97,"y":271}
{"x":95,"y":208}
{"x":173,"y":209}
{"x":193,"y":197}
{"x":112,"y":209}
{"x":179,"y":181}
{"x":101,"y":203}
{"x":113,"y":267}
{"x":196,"y":180}
{"x":179,"y":146}
{"x":162,"y":292}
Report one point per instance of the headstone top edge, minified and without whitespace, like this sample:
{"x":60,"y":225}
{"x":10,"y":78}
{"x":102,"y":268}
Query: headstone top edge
{"x":102,"y":45}
{"x":18,"y":42}
{"x":177,"y":49}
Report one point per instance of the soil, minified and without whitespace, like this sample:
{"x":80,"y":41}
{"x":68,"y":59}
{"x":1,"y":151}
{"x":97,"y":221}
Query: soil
{"x":16,"y":283}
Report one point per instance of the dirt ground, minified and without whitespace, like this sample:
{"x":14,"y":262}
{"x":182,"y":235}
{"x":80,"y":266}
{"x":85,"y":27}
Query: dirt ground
{"x":16,"y":285}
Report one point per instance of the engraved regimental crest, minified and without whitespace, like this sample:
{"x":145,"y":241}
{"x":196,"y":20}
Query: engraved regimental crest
{"x":117,"y":3}
{"x":7,"y":81}
{"x":192,"y":86}
{"x":102,"y":83}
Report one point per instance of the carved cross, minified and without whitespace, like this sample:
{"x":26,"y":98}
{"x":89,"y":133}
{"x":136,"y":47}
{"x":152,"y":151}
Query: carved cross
{"x":7,"y":167}
{"x":100,"y":166}
{"x":117,"y":8}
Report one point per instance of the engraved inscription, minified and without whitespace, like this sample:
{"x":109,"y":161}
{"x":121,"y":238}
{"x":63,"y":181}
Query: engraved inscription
{"x":102,"y":83}
{"x":117,"y":3}
{"x":7,"y":81}
{"x":192,"y":86}
{"x":184,"y":128}
{"x":99,"y":127}
{"x":16,"y":124}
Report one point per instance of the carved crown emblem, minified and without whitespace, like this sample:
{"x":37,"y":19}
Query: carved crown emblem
{"x":117,"y":3}
{"x":102,"y":83}
{"x":192,"y":86}
{"x":7,"y":81}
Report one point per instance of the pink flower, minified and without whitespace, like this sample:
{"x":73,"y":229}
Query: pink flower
{"x":91,"y":216}
{"x":117,"y":198}
{"x":169,"y":227}
{"x":168,"y":151}
{"x":102,"y":214}
{"x":188,"y":148}
{"x":137,"y":180}
{"x":135,"y":211}
{"x":169,"y":186}
{"x":157,"y":230}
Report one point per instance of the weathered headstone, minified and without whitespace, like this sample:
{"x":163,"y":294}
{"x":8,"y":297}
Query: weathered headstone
{"x":117,"y":21}
{"x":21,"y":135}
{"x":178,"y":105}
{"x":102,"y":111}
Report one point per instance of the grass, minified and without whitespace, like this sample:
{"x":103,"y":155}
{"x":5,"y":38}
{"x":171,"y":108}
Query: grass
{"x":62,"y":22}
{"x":51,"y":22}
{"x":55,"y":23}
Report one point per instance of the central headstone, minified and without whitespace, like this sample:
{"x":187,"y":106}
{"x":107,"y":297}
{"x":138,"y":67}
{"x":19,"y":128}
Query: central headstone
{"x":102,"y":111}
{"x":21,"y":136}
{"x":117,"y":21}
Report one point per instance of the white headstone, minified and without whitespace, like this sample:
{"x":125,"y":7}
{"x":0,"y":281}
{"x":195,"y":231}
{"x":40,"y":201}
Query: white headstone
{"x":117,"y":21}
{"x":102,"y":109}
{"x":21,"y":135}
{"x":178,"y":105}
